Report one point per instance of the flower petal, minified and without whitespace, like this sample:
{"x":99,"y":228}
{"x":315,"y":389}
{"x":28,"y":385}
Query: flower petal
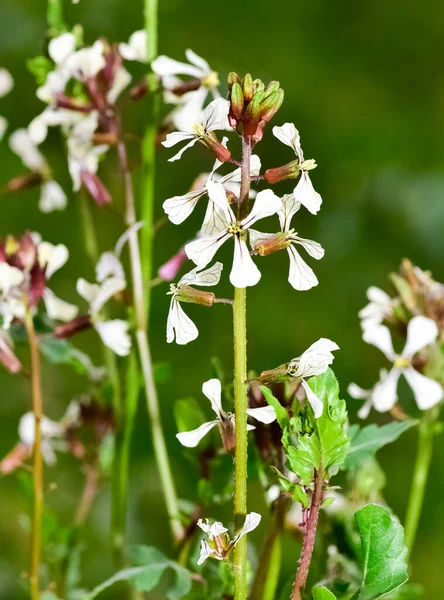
{"x":300,"y":275}
{"x":61,"y":47}
{"x":21,"y":144}
{"x":315,"y":402}
{"x":179,"y":208}
{"x":52,"y":197}
{"x":358,"y":392}
{"x":252,"y":520}
{"x":58,"y":309}
{"x":202,"y":250}
{"x":380,"y":337}
{"x":165,"y":66}
{"x":305,"y":193}
{"x":289,"y":135}
{"x":212,"y":390}
{"x":9,"y":277}
{"x":384,"y":393}
{"x":52,"y":256}
{"x":107,"y":290}
{"x":216,"y":115}
{"x":244,"y":272}
{"x":198,"y":61}
{"x":288,"y":209}
{"x":114,"y":334}
{"x":189,"y":111}
{"x":315,"y":360}
{"x":427,"y":391}
{"x":205,"y":552}
{"x":183,"y":149}
{"x":109,"y":266}
{"x":179,"y":325}
{"x":264,"y":414}
{"x":421,"y":332}
{"x":190,"y":439}
{"x":87,"y":290}
{"x":205,"y":278}
{"x":265,"y":205}
{"x":136,"y":48}
{"x":314,"y":249}
{"x":212,"y":529}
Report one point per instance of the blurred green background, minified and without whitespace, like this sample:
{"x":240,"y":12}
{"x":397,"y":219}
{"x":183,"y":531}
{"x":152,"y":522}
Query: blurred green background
{"x":364,"y":85}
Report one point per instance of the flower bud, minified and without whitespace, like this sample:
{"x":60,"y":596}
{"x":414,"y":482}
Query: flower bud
{"x":24,"y":182}
{"x":289,"y":171}
{"x":252,"y":114}
{"x":278,"y":242}
{"x":259,"y":133}
{"x":232,"y":79}
{"x":95,"y":187}
{"x":211,"y":142}
{"x":185,"y":293}
{"x":69,"y":329}
{"x":247,"y":87}
{"x":271,"y":105}
{"x":237,"y":101}
{"x":273,"y":86}
{"x":258,"y":86}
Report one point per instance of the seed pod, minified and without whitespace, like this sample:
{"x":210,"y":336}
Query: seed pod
{"x":237,"y":101}
{"x":247,"y":87}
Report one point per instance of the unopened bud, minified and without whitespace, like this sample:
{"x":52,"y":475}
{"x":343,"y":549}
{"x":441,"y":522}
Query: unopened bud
{"x":27,"y":251}
{"x":237,"y":101}
{"x":259,"y":133}
{"x":277,"y":375}
{"x":247,"y":87}
{"x":288,"y":171}
{"x":228,"y":435}
{"x":232,"y":79}
{"x":185,"y":293}
{"x":272,"y":104}
{"x":258,"y":86}
{"x":273,"y":86}
{"x":211,"y":142}
{"x":253,"y":114}
{"x":96,"y":188}
{"x":25,"y":182}
{"x":69,"y":329}
{"x":267,"y":246}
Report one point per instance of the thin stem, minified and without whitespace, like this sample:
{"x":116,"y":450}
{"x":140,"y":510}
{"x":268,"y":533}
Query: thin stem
{"x":54,"y":16}
{"x":240,"y":399}
{"x":223,"y":301}
{"x":88,"y":495}
{"x":420,"y":474}
{"x":160,"y":449}
{"x":37,"y":473}
{"x":149,"y":148}
{"x":309,"y":538}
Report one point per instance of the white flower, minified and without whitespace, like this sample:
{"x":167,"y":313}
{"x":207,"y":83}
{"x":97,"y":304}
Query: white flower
{"x":51,"y":117}
{"x":83,"y":155}
{"x":300,"y":276}
{"x":114,"y":333}
{"x":421,"y":332}
{"x":179,"y":326}
{"x":304,"y":191}
{"x":244,"y":272}
{"x":6,"y":82}
{"x":380,"y":306}
{"x":220,"y":545}
{"x":360,"y":394}
{"x":136,"y":48}
{"x":86,"y":63}
{"x":314,"y":361}
{"x":214,"y":118}
{"x":179,"y":208}
{"x":52,"y":197}
{"x":190,"y":104}
{"x":213,"y":391}
{"x":61,"y":48}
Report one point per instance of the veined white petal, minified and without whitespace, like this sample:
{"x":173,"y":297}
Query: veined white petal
{"x":315,"y":402}
{"x":427,"y":391}
{"x":215,"y":220}
{"x":107,"y":290}
{"x":208,"y":277}
{"x":179,"y":208}
{"x":314,"y":249}
{"x":6,"y":82}
{"x":9,"y":277}
{"x":217,"y":195}
{"x":21,"y":144}
{"x":421,"y":332}
{"x":198,"y":61}
{"x":300,"y":275}
{"x":179,"y":325}
{"x":202,"y":250}
{"x":289,"y":135}
{"x":252,"y":520}
{"x":165,"y":66}
{"x":205,"y":552}
{"x":244,"y":272}
{"x":114,"y":334}
{"x":53,"y":256}
{"x":305,"y":193}
{"x":384,"y":393}
{"x":52,"y":197}
{"x":288,"y":209}
{"x":380,"y":337}
{"x":109,"y":266}
{"x":358,"y":392}
{"x":216,"y":115}
{"x":265,"y":205}
{"x":189,"y":110}
{"x":264,"y":414}
{"x":136,"y":48}
{"x":212,"y":390}
{"x":315,"y":360}
{"x":58,"y":309}
{"x":183,"y":149}
{"x":61,"y":47}
{"x":190,"y":439}
{"x":176,"y":137}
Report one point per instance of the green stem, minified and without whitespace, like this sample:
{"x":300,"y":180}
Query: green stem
{"x":54,"y":17}
{"x":427,"y":427}
{"x":240,"y":400}
{"x":37,"y":473}
{"x":149,"y":150}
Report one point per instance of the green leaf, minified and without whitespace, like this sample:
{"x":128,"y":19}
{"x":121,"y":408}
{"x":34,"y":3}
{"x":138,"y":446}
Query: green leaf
{"x":322,"y":593}
{"x":63,"y":352}
{"x":281,"y":413}
{"x":383,"y":552}
{"x":367,"y":441}
{"x":145,"y":576}
{"x":39,"y":66}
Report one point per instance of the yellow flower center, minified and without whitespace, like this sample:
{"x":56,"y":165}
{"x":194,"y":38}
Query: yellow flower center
{"x":211,"y":80}
{"x":402,"y":363}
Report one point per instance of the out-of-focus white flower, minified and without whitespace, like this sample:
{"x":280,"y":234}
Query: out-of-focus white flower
{"x":201,"y":251}
{"x":53,"y":117}
{"x":300,"y":276}
{"x":52,"y":196}
{"x":360,"y":394}
{"x":314,"y":361}
{"x":380,"y":306}
{"x":179,"y":326}
{"x":213,"y":391}
{"x":60,"y":49}
{"x":189,"y":104}
{"x":86,"y":63}
{"x":121,"y":80}
{"x":136,"y":48}
{"x":219,"y":544}
{"x":304,"y":191}
{"x":214,"y":118}
{"x":421,"y":332}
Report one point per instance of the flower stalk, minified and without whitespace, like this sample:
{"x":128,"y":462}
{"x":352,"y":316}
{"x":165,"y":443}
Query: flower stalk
{"x":309,"y":538}
{"x":37,"y":473}
{"x":240,"y":397}
{"x":427,"y":428}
